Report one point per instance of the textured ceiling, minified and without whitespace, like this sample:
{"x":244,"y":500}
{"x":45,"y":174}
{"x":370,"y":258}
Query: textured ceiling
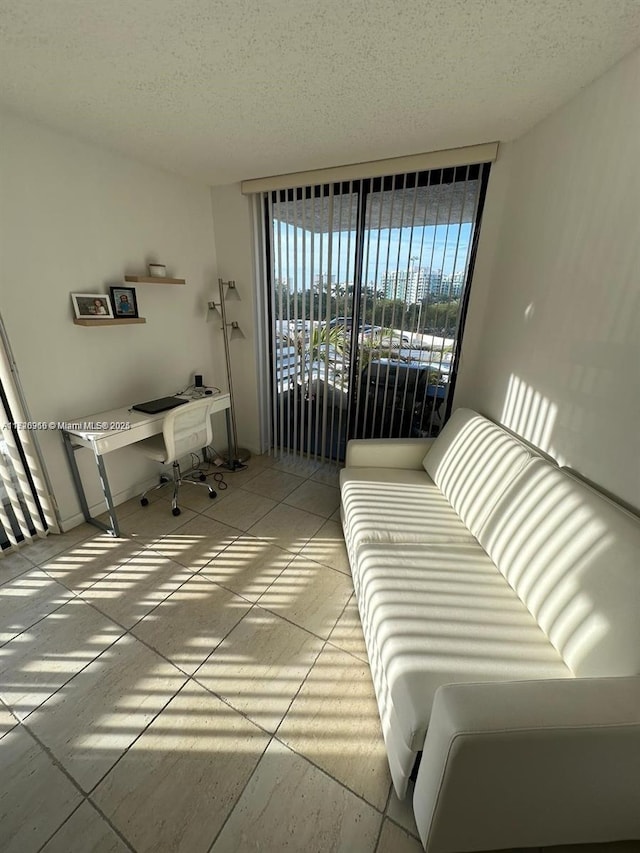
{"x":223,"y":90}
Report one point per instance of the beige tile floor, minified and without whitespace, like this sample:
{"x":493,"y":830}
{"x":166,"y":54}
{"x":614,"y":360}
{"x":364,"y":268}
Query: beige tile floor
{"x":199,"y":685}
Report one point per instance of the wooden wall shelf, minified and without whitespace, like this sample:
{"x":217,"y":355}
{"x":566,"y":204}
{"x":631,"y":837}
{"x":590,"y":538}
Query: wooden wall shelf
{"x":154,"y":279}
{"x":108,"y":321}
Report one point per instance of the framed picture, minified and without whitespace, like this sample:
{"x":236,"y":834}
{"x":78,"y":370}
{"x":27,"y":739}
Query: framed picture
{"x":91,"y":306}
{"x":124,"y":301}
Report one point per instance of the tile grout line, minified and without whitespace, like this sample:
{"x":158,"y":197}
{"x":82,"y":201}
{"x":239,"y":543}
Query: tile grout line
{"x":19,"y":575}
{"x":149,"y":546}
{"x":64,"y":533}
{"x":41,"y":618}
{"x":188,"y":677}
{"x":199,"y":574}
{"x":274,"y":737}
{"x":280,"y":740}
{"x":103,"y":816}
{"x":239,"y":797}
{"x":123,"y":628}
{"x":85,"y":796}
{"x":411,"y":835}
{"x":5,"y":707}
{"x":326,"y":642}
{"x":66,"y":820}
{"x":271,"y":735}
{"x":317,"y":767}
{"x":164,"y":707}
{"x":388,"y":800}
{"x":326,"y":773}
{"x":142,"y":550}
{"x":278,"y":503}
{"x":25,"y":720}
{"x":145,"y":547}
{"x":376,"y":846}
{"x":91,"y":791}
{"x":129,"y":630}
{"x":239,"y":594}
{"x":252,"y":603}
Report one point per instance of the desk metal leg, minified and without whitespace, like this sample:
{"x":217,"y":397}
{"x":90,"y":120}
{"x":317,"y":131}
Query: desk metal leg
{"x":75,"y":473}
{"x":70,"y":451}
{"x":108,"y":499}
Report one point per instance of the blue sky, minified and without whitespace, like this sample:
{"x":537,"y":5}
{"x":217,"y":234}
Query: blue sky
{"x":439,"y":247}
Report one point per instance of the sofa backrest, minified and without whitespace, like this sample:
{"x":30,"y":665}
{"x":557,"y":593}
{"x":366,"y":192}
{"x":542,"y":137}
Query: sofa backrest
{"x":573,"y":557}
{"x":472,"y":461}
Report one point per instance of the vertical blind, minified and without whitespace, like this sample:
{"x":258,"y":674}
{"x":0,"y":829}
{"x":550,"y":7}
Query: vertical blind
{"x":366,"y":286}
{"x":25,"y":505}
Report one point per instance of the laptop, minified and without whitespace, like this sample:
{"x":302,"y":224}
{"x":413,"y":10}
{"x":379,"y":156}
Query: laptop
{"x":152,"y":407}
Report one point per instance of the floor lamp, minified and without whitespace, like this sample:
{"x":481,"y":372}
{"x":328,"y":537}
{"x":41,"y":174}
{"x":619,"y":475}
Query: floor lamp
{"x":240,"y":455}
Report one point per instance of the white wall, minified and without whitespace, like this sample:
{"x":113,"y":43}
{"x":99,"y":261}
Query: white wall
{"x":75,"y":218}
{"x":553,"y":342}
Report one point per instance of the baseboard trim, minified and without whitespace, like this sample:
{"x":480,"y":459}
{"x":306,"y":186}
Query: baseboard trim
{"x":72,"y":521}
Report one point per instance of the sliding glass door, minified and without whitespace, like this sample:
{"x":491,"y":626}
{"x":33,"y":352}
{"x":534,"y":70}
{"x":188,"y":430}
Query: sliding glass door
{"x":367,"y":287}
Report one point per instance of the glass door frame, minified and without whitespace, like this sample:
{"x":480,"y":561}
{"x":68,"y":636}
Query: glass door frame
{"x":364,"y":188}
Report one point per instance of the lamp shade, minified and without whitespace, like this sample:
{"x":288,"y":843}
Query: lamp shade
{"x":236,"y":331}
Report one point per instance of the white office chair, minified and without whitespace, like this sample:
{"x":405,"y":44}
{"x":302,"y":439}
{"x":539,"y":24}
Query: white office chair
{"x":186,"y":429}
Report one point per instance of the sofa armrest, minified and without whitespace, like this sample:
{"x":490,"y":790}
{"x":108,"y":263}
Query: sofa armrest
{"x":387,"y":452}
{"x":529,"y":764}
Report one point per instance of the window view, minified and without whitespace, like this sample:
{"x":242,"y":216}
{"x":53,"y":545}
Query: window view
{"x":367,"y":283}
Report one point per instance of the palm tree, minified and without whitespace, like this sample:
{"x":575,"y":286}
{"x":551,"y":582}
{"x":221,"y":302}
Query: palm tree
{"x":380,"y":343}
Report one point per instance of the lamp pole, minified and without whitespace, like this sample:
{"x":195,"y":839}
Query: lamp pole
{"x":232,"y":407}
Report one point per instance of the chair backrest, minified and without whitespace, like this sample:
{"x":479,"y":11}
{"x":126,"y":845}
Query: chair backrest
{"x":187,"y":428}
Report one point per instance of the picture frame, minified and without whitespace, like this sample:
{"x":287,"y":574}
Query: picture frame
{"x":124,"y":301}
{"x":91,"y":306}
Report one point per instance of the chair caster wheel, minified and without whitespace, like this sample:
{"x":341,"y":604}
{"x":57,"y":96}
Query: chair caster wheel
{"x":164,"y":479}
{"x":212,"y":494}
{"x":175,"y":510}
{"x":202,"y":477}
{"x":144,"y":501}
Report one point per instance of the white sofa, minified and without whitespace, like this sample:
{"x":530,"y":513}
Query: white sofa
{"x":500,"y":601}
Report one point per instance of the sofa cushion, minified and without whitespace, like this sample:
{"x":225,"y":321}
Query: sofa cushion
{"x":396,"y":505}
{"x":443,"y":614}
{"x":472,"y":461}
{"x":573,"y":557}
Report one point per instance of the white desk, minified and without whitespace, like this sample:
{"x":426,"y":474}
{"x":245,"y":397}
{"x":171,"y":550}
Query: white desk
{"x":114,"y":434}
